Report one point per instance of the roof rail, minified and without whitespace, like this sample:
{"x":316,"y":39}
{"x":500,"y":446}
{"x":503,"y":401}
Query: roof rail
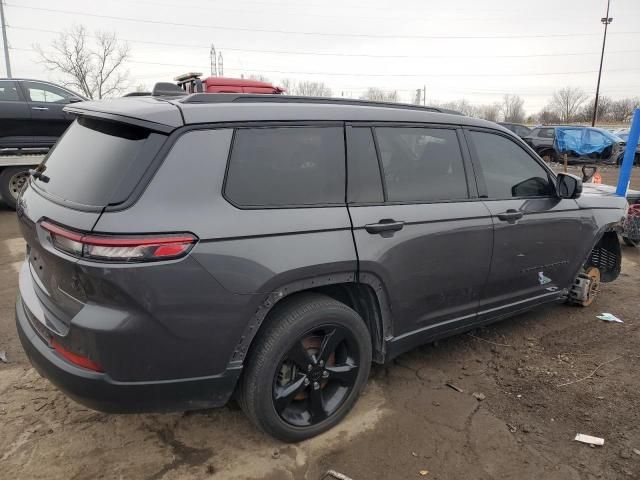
{"x":265,"y":98}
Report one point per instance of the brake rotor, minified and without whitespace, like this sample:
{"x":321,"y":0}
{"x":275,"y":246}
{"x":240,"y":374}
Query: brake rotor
{"x":593,"y":274}
{"x":312,"y":345}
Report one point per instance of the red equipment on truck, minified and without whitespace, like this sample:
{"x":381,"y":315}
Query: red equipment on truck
{"x":192,"y":83}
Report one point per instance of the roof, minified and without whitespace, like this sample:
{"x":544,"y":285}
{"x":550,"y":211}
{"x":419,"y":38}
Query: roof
{"x":168,"y":113}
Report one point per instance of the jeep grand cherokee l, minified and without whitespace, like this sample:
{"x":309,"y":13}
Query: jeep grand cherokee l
{"x":273,"y":247}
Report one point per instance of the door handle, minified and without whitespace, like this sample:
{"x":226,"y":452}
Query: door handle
{"x":384,"y":225}
{"x":510,"y":216}
{"x":40,"y":108}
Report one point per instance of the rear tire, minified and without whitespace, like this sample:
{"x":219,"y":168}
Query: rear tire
{"x":306,"y":369}
{"x":12,"y":180}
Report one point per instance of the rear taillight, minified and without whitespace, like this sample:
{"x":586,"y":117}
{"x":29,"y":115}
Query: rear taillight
{"x":76,"y":359}
{"x":119,"y":248}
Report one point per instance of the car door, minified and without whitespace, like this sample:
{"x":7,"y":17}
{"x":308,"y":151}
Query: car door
{"x":15,"y":116}
{"x":536,"y":233}
{"x":419,"y":228}
{"x":46,"y":103}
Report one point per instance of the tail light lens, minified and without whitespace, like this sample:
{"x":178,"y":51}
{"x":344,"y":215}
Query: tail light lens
{"x":116,"y":248}
{"x":76,"y":359}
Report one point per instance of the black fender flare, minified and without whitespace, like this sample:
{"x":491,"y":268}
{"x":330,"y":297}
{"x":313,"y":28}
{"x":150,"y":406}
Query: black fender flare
{"x":381,"y":323}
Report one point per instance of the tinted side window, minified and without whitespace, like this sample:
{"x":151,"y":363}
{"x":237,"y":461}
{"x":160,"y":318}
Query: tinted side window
{"x":421,"y":164}
{"x":8,"y":92}
{"x":364,"y":184}
{"x":546,"y":133}
{"x":508,"y":170}
{"x":40,"y":92}
{"x":285,"y":166}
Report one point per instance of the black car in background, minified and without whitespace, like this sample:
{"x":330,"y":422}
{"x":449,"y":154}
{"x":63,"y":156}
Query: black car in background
{"x":542,"y":140}
{"x":520,"y":130}
{"x":31,"y":112}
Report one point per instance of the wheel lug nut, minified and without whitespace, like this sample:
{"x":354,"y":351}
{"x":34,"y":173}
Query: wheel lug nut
{"x":309,"y":367}
{"x":321,"y":363}
{"x":316,"y":385}
{"x":306,"y":381}
{"x":325,"y":374}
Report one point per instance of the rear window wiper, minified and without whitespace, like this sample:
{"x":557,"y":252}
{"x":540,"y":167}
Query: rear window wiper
{"x":39,"y":175}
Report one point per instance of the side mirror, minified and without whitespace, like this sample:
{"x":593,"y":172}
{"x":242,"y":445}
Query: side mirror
{"x":569,"y":186}
{"x":75,"y":99}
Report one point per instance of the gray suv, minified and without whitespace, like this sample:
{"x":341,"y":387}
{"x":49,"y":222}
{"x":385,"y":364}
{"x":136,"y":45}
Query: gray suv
{"x":273,"y":247}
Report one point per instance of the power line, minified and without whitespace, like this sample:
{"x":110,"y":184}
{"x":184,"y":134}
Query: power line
{"x":376,"y":75}
{"x":306,"y":13}
{"x":332,"y":54}
{"x":306,"y":33}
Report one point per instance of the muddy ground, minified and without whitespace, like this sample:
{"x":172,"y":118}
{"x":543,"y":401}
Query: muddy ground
{"x":408,"y":419}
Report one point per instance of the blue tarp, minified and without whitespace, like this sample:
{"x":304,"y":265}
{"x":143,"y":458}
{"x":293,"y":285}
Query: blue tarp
{"x":582,"y":141}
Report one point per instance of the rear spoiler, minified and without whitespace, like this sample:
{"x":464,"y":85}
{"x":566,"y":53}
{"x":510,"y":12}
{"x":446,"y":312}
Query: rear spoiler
{"x":112,"y":117}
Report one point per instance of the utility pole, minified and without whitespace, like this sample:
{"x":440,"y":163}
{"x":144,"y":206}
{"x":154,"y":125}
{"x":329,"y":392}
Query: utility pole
{"x":606,"y":21}
{"x":213,"y":59}
{"x":424,"y":95}
{"x":4,"y":39}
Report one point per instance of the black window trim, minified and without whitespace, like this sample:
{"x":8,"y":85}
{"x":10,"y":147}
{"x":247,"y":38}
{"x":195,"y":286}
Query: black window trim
{"x":278,"y":124}
{"x":472,"y":188}
{"x":482,"y":186}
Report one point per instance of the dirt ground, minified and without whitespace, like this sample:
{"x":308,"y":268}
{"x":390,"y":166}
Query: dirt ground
{"x":408,"y":419}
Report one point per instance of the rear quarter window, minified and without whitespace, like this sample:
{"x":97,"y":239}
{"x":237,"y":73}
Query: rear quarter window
{"x":8,"y":92}
{"x":286,"y":166}
{"x":97,"y":163}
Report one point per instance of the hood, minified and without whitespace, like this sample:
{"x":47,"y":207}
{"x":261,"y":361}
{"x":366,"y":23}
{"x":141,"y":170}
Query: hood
{"x":633,"y":196}
{"x":600,"y":196}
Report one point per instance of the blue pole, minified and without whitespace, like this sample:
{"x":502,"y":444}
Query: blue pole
{"x":629,"y":154}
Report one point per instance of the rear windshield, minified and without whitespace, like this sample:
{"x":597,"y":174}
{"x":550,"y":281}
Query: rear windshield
{"x":97,"y":163}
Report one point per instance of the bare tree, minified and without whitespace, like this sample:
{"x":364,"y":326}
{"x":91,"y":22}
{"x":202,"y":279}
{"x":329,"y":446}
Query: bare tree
{"x":604,"y":109}
{"x":379,"y":95}
{"x":566,"y":102}
{"x":622,"y":110}
{"x":288,"y":85}
{"x":512,"y":108}
{"x":312,"y":89}
{"x":463,"y":106}
{"x":258,"y":77}
{"x":547,"y":116}
{"x":489,"y":112}
{"x":96,"y":69}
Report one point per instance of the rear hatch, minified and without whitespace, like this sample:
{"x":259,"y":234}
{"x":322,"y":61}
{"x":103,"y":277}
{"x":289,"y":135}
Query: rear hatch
{"x":96,"y":164}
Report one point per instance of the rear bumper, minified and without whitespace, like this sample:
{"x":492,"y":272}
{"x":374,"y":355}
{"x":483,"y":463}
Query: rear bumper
{"x":100,"y":392}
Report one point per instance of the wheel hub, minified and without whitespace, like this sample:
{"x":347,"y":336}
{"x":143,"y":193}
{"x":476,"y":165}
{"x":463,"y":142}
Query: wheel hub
{"x":315,"y":376}
{"x":17,"y":182}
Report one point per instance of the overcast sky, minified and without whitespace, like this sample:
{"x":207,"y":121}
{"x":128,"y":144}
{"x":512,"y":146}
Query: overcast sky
{"x":477,"y":50}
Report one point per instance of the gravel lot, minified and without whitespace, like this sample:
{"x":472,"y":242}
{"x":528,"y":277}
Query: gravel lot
{"x":408,"y":419}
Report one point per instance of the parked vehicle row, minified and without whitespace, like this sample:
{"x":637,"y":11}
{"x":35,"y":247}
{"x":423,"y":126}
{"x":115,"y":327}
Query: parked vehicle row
{"x":272,"y":248}
{"x":607,"y":147}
